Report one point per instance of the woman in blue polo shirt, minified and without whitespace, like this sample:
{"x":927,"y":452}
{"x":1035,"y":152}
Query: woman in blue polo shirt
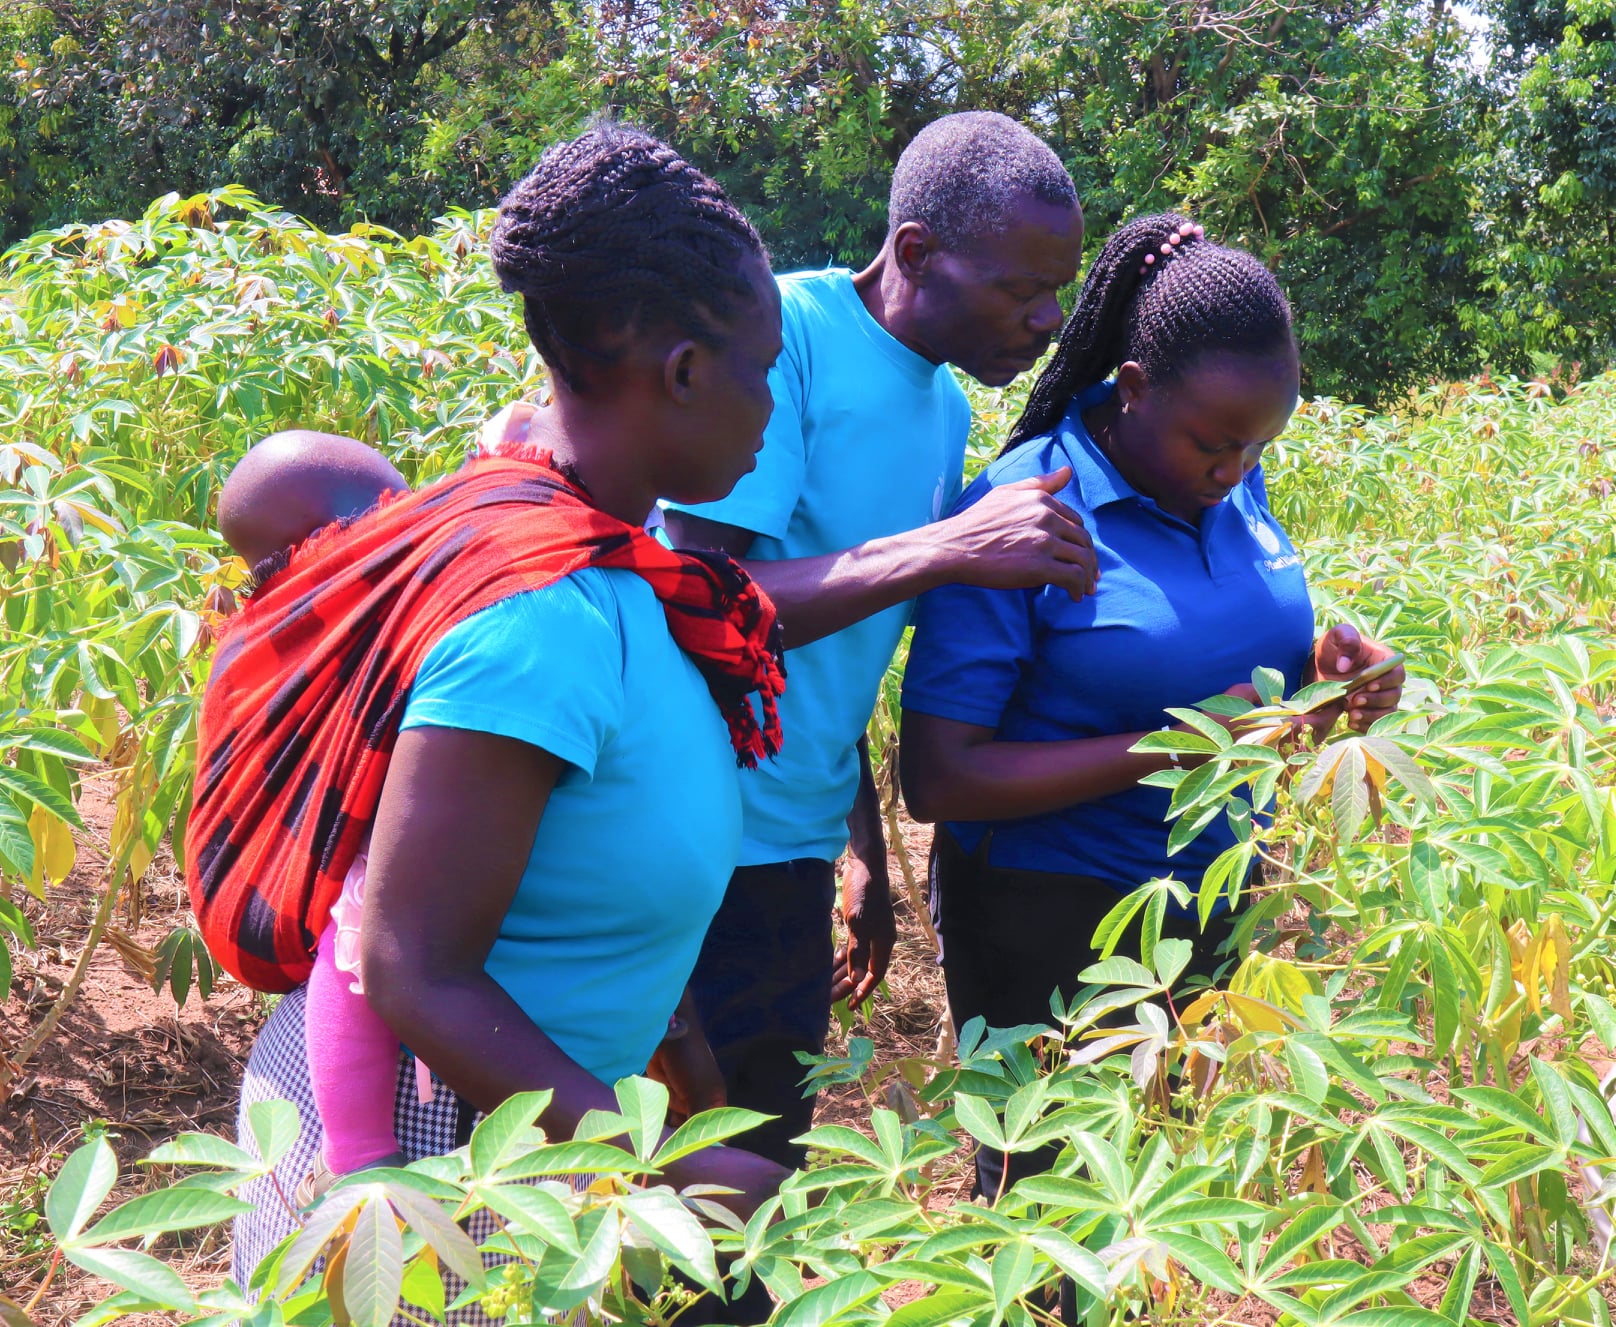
{"x":1020,"y":706}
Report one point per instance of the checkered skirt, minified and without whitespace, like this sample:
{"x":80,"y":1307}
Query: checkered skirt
{"x":278,"y":1068}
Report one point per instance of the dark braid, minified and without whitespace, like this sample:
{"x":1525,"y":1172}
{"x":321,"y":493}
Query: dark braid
{"x":616,"y":231}
{"x":1204,"y":298}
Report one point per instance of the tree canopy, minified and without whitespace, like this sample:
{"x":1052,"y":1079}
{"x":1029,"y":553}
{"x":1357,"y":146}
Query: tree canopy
{"x":1434,"y":188}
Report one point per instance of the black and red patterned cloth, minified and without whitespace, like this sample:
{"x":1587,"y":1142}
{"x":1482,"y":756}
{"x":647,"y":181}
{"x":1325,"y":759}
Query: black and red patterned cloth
{"x":310,"y":682}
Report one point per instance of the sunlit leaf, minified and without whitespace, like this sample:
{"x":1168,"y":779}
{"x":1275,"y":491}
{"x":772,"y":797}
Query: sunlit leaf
{"x":138,"y":1273}
{"x":166,"y":1210}
{"x":82,"y":1185}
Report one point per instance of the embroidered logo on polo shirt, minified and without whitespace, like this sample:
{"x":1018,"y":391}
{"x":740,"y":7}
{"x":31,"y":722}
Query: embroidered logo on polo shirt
{"x":1270,"y":543}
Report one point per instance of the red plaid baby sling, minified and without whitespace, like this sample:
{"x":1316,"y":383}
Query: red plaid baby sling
{"x":310,"y":681}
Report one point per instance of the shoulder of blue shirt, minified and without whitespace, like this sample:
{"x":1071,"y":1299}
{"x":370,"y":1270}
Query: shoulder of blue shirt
{"x":543,"y":666}
{"x":1039,"y":455}
{"x":825,"y":289}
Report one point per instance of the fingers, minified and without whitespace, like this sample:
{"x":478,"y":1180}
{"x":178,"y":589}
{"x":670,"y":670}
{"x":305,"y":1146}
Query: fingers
{"x":1067,"y":545}
{"x":842,"y":981}
{"x":853,"y":987}
{"x":849,"y":968}
{"x":859,"y":970}
{"x":1374,"y":701}
{"x":1340,"y":650}
{"x":1075,"y":571}
{"x":875,"y":970}
{"x":1021,"y":536}
{"x":1008,"y":507}
{"x":1070,"y":548}
{"x":867,"y":980}
{"x":1055,"y":481}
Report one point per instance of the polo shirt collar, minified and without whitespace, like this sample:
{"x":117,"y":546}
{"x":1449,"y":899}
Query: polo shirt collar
{"x":1097,"y":479}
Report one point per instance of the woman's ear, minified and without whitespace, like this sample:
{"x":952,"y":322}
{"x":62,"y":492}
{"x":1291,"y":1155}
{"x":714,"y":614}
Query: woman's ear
{"x":1132,"y":384}
{"x":681,"y":367}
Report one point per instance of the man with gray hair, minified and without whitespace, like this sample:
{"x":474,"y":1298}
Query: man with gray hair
{"x":840,"y":523}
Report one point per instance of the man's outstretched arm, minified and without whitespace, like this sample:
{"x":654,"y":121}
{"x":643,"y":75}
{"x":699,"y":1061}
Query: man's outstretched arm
{"x":1017,"y":537}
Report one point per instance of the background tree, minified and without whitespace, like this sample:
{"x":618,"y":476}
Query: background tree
{"x":313,"y":102}
{"x":1335,"y":141}
{"x":1550,"y":183}
{"x":1436,"y":195}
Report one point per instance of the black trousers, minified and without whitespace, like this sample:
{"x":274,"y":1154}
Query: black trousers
{"x":762,"y":987}
{"x":1011,"y":938}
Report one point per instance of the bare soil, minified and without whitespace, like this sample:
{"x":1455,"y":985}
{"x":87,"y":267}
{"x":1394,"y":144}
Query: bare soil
{"x":124,"y":1059}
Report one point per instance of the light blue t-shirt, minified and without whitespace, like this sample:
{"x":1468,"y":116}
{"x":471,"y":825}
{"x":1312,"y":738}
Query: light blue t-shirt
{"x":867,"y":440}
{"x":630,"y":860}
{"x":1182,"y":612}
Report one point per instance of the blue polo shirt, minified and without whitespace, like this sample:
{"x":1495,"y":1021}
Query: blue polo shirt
{"x":1182,"y":613}
{"x":867,"y":440}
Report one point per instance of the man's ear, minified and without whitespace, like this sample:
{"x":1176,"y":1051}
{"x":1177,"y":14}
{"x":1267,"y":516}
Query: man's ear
{"x":1132,"y":384}
{"x":913,"y":249}
{"x":681,"y":366}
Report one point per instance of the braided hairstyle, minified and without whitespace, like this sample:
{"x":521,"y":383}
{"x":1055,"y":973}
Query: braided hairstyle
{"x":616,"y":231}
{"x":1198,"y":298}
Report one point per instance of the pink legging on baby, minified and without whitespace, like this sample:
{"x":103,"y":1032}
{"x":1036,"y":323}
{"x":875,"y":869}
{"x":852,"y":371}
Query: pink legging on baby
{"x":353,"y":1065}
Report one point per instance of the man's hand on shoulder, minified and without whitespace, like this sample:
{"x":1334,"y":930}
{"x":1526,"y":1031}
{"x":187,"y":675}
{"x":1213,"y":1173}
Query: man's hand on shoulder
{"x":1018,"y":537}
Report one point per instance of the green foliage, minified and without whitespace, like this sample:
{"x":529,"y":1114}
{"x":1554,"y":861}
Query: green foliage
{"x":1477,"y":515}
{"x":1386,"y":1090}
{"x":1436,"y":196}
{"x":25,"y":1240}
{"x":1554,"y":154}
{"x":1308,"y":135}
{"x":314,"y":103}
{"x":142,"y":359}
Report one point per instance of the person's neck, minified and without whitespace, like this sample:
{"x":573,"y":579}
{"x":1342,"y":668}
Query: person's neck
{"x":890,"y":300}
{"x":590,"y":443}
{"x":1102,"y":423}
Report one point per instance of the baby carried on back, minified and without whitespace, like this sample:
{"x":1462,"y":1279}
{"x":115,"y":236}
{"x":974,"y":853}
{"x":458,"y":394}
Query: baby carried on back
{"x":356,"y":579}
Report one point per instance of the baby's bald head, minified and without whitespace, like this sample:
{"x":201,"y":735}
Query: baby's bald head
{"x":294,"y":483}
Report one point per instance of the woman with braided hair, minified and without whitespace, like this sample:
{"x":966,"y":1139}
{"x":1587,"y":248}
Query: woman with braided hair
{"x":480,"y":681}
{"x":1176,"y":369}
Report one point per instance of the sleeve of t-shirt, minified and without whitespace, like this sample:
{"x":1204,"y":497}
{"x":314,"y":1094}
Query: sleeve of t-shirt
{"x":971,"y":644}
{"x":544,"y":667}
{"x":969,"y":649}
{"x":764,"y":500}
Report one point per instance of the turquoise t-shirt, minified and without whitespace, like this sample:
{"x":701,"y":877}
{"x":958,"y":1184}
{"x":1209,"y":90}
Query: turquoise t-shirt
{"x":867,"y":440}
{"x":630,"y":860}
